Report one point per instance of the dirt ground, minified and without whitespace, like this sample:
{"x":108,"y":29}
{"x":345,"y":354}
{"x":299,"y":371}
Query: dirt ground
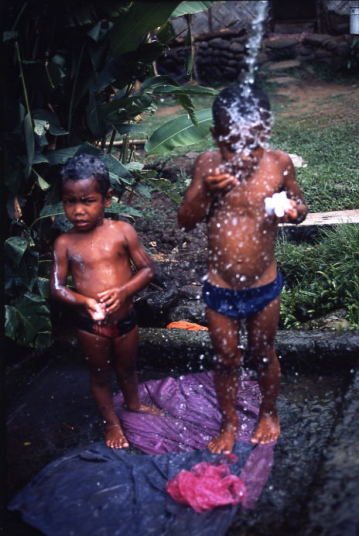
{"x":334,"y":101}
{"x":180,"y":257}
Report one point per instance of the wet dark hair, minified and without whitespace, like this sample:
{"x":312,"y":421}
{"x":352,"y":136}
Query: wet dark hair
{"x":86,"y":166}
{"x":244,"y":102}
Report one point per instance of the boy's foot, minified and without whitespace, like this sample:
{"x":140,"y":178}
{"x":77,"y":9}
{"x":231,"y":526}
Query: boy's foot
{"x":224,"y":442}
{"x":114,"y":437}
{"x":267,"y":430}
{"x":150,"y":410}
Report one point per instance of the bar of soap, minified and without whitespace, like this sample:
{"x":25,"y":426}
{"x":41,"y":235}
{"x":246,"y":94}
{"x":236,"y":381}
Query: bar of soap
{"x":100,"y":312}
{"x":277,"y":204}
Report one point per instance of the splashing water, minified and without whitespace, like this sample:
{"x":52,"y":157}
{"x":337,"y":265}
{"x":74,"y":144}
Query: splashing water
{"x":254,"y":43}
{"x":247,"y":133}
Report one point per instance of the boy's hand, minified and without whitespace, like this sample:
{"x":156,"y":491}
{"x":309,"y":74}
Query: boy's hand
{"x":290,"y":214}
{"x":112,"y":299}
{"x":220,"y":182}
{"x":95,"y":309}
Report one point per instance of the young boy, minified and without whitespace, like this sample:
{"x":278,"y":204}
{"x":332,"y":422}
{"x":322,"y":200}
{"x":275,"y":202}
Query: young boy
{"x":228,"y":190}
{"x":98,"y":253}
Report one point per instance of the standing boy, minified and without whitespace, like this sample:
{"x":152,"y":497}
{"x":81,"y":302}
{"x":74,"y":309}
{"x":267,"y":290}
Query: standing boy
{"x":228,"y":190}
{"x":100,"y":255}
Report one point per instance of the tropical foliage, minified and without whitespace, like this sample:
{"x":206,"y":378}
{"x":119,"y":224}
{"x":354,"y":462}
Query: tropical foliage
{"x":80,"y":76}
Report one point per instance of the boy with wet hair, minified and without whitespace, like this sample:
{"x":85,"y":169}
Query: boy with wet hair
{"x":229,"y":190}
{"x":100,"y":253}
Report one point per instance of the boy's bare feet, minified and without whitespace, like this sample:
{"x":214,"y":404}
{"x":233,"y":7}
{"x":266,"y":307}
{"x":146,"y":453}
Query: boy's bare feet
{"x":114,"y":437}
{"x":268,"y":428}
{"x":150,"y":410}
{"x":225,"y":440}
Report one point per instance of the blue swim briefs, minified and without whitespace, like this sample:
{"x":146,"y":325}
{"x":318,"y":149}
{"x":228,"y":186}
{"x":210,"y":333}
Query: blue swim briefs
{"x":241,"y":303}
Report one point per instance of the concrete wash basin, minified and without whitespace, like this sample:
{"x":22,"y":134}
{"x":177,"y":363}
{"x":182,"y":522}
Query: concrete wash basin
{"x":314,"y":485}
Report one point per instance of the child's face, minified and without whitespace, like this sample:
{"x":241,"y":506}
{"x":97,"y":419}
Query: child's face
{"x":84,"y":205}
{"x":240,"y":143}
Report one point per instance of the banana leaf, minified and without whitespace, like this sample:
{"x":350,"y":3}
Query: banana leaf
{"x":128,"y":30}
{"x":28,"y":321}
{"x":189,"y":8}
{"x":179,"y":132}
{"x":123,"y":210}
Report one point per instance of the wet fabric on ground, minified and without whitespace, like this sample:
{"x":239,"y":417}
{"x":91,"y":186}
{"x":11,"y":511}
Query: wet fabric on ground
{"x":191,"y":413}
{"x":101,"y":492}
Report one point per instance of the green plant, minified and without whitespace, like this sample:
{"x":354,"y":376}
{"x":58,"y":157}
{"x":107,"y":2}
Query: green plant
{"x":73,"y":87}
{"x":318,"y":280}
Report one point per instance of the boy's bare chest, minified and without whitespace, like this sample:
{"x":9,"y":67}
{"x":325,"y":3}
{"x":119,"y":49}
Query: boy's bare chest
{"x":247,"y":197}
{"x":84,"y":251}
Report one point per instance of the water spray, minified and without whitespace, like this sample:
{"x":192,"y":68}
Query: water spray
{"x":254,"y":44}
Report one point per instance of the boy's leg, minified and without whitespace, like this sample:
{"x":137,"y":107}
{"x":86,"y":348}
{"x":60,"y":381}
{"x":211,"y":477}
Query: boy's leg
{"x":224,"y":333}
{"x":125,"y":357}
{"x":262,"y":328}
{"x":97,"y":351}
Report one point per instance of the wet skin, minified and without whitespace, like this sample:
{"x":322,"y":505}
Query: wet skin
{"x":98,"y":253}
{"x":241,"y":240}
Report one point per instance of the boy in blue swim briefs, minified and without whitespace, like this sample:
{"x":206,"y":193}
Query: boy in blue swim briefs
{"x":108,"y":266}
{"x":230,"y":191}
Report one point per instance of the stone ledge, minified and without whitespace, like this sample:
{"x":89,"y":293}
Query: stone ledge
{"x":319,"y":351}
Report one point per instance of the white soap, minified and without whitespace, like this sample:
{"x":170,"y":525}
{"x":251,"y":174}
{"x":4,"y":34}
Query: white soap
{"x":100,"y":312}
{"x":277,"y":204}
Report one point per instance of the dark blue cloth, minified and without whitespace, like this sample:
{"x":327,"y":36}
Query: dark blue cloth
{"x":105,"y":492}
{"x":241,"y":303}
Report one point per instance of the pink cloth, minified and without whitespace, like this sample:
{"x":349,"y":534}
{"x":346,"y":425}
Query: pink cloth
{"x":206,"y":486}
{"x":192,"y":418}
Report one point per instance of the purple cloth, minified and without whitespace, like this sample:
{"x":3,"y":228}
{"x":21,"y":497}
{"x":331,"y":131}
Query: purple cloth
{"x":192,"y":418}
{"x":113,"y":492}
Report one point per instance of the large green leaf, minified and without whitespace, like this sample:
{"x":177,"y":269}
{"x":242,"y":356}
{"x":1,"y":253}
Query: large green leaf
{"x":61,"y":155}
{"x":184,"y":90}
{"x":51,"y":119}
{"x":186,"y":102}
{"x":162,"y":80}
{"x":15,"y":248}
{"x":51,"y":210}
{"x":123,"y":210}
{"x":28,"y":319}
{"x":166,"y":186}
{"x":189,"y":8}
{"x":182,"y":95}
{"x":21,"y":265}
{"x":131,"y":28}
{"x":179,"y":132}
{"x":44,"y":185}
{"x":126,"y":107}
{"x":43,"y":286}
{"x":114,"y":166}
{"x":165,"y":33}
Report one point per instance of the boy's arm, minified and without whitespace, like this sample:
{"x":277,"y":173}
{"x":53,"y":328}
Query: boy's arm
{"x":299,"y":209}
{"x":207,"y":182}
{"x":58,"y":287}
{"x":197,"y":199}
{"x":114,"y":297}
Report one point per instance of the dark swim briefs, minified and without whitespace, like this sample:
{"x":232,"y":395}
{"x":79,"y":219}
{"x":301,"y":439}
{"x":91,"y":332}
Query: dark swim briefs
{"x":241,"y":303}
{"x":111,"y":331}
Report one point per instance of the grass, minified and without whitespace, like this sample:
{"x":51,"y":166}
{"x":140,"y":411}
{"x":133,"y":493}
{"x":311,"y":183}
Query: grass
{"x":321,"y":277}
{"x":331,"y":177}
